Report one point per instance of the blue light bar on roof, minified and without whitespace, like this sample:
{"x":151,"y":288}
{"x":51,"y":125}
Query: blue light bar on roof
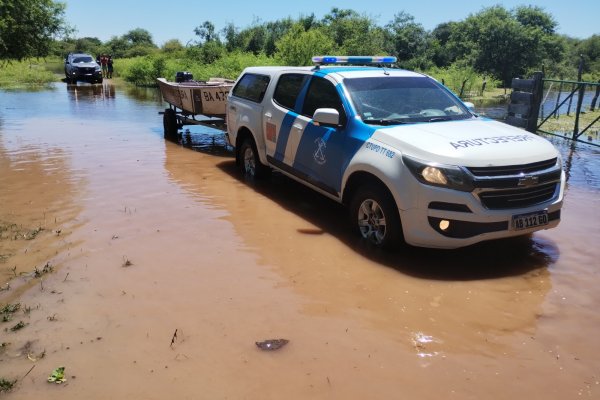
{"x":354,"y":60}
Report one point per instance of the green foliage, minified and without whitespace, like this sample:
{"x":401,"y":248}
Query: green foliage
{"x":495,"y":42}
{"x":28,"y":74}
{"x":173,"y":47}
{"x":454,"y":76}
{"x":143,"y":71}
{"x":504,"y":43}
{"x":28,"y":27}
{"x":90,"y":45}
{"x":135,"y":43}
{"x":6,"y":385}
{"x":405,"y":38}
{"x":590,"y":50}
{"x":298,"y":46}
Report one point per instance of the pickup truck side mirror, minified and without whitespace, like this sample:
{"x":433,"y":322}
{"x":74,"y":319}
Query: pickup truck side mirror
{"x":326,"y":117}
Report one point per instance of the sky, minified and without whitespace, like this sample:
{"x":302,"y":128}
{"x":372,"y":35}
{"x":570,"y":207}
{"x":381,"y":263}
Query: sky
{"x":177,"y":19}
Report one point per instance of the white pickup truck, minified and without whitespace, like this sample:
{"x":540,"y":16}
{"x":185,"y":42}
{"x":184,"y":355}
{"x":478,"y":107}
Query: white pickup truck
{"x":409,"y":159}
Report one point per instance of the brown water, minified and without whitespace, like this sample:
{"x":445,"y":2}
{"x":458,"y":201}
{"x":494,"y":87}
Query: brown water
{"x":227,"y":263}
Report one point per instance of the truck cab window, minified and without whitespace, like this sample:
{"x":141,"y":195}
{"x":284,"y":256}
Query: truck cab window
{"x":322,"y":94}
{"x":288,"y":88}
{"x":251,"y":87}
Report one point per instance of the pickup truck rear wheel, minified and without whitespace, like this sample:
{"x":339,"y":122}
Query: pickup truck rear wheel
{"x":249,"y":162}
{"x":375,"y":215}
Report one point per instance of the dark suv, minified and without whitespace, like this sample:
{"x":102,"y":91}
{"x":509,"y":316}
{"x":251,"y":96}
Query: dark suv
{"x":82,"y":67}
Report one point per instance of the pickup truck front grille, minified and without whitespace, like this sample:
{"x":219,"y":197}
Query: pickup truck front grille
{"x":516,"y":186}
{"x":518,"y":198}
{"x":507,"y":170}
{"x":86,"y":70}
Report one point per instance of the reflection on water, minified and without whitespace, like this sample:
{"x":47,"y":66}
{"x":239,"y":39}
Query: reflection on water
{"x":97,"y":92}
{"x":205,"y":140}
{"x":143,"y":94}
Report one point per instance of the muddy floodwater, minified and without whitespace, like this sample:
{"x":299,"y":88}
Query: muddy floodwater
{"x":149,"y":270}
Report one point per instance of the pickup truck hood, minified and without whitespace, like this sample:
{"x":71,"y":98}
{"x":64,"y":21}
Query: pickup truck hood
{"x":476,"y":142}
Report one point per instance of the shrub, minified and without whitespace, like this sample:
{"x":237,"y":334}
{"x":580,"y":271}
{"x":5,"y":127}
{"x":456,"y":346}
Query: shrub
{"x":143,"y":71}
{"x":455,"y":76}
{"x":28,"y":73}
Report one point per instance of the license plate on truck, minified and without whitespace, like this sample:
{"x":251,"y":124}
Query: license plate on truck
{"x":531,"y":220}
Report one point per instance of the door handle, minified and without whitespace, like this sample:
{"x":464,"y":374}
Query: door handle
{"x":299,"y":127}
{"x":268,"y":115}
{"x":232,"y":108}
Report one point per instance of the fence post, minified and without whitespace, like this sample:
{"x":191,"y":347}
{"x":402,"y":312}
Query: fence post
{"x":536,"y":101}
{"x":595,"y":99}
{"x":579,"y":97}
{"x":560,"y":88}
{"x":462,"y":89}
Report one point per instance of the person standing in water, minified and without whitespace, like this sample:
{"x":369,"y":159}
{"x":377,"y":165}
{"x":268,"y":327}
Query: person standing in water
{"x":104,"y":63}
{"x":109,"y":65}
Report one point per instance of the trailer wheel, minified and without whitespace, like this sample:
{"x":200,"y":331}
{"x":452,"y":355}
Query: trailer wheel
{"x":170,"y":123}
{"x":375,"y":215}
{"x":249,"y":163}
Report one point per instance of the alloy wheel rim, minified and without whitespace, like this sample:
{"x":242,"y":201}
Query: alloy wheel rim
{"x":371,"y":221}
{"x":249,"y":164}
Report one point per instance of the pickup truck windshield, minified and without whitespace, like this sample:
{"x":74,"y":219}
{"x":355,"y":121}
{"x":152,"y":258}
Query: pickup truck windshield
{"x":80,"y":60}
{"x":390,"y":100}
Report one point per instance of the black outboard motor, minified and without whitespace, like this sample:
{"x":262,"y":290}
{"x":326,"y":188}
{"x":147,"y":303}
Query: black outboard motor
{"x":183,"y":77}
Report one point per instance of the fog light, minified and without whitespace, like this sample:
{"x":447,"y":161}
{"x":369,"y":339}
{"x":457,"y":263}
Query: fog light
{"x":444,"y":224}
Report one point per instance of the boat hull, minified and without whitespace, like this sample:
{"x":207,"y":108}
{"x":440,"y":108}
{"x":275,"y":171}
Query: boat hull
{"x":197,"y":98}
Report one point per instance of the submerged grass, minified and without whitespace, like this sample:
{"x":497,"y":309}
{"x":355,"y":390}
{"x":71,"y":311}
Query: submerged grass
{"x":6,"y":385}
{"x":28,"y":74}
{"x":564,"y":124}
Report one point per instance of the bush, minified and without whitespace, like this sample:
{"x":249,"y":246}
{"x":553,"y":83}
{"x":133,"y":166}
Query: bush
{"x":454,"y":76}
{"x":143,"y":71}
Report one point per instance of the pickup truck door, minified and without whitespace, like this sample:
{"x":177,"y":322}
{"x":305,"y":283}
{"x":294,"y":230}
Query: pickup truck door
{"x":321,"y":157}
{"x":280,"y":127}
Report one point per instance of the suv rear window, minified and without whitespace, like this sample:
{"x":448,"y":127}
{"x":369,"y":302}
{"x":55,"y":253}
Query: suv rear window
{"x":288,"y":88}
{"x":251,"y":87}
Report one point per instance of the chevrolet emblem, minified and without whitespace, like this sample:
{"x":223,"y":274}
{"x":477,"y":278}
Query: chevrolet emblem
{"x":528,"y":181}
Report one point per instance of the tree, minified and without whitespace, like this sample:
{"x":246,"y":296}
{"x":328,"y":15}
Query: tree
{"x":29,"y":27}
{"x":590,"y":50}
{"x":506,"y":44}
{"x":298,"y":46}
{"x":136,"y":42}
{"x":206,"y":32}
{"x":172,"y":46}
{"x":138,"y":37}
{"x":438,"y":40}
{"x":534,"y":16}
{"x":406,"y":39}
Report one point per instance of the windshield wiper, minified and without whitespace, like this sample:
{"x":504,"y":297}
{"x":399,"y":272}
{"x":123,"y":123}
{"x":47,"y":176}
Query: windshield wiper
{"x":439,"y":119}
{"x":384,"y":121}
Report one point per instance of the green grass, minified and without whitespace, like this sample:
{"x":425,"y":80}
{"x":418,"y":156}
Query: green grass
{"x":6,"y":385}
{"x":28,"y":74}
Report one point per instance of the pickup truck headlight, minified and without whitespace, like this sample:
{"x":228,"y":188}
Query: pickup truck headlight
{"x":434,"y":174}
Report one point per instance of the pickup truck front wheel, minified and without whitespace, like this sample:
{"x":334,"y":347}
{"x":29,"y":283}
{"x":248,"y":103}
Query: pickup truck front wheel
{"x":249,"y":162}
{"x":375,"y":215}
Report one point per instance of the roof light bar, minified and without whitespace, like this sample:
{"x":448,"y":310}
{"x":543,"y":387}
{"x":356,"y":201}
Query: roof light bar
{"x":319,"y":60}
